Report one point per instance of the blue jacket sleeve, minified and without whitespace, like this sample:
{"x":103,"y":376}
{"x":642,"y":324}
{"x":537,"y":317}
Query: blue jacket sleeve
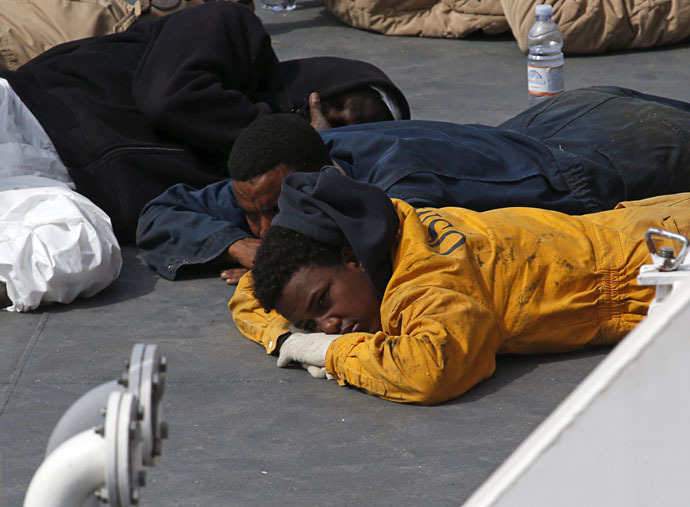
{"x":186,"y":226}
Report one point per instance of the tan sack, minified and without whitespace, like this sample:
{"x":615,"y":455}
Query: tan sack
{"x":595,"y":26}
{"x":425,"y":18}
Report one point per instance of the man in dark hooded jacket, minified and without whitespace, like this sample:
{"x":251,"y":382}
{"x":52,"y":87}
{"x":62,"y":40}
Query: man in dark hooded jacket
{"x":133,"y":113}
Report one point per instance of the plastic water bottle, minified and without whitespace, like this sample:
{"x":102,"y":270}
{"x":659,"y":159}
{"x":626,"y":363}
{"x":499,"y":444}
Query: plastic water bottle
{"x":545,"y":59}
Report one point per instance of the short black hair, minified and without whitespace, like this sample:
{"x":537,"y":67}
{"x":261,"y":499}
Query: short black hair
{"x":282,"y":253}
{"x":277,"y":139}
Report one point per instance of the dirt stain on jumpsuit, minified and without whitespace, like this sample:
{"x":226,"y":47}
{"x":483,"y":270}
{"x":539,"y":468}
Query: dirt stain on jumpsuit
{"x":526,"y":294}
{"x":569,"y":266}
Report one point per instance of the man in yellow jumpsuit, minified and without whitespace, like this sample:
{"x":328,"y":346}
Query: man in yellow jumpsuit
{"x":413,"y":305}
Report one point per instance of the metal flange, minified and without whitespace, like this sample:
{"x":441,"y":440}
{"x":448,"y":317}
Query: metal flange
{"x":124,"y":448}
{"x":146,"y":380}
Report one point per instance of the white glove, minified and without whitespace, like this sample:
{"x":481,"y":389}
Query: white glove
{"x":317,"y":371}
{"x":307,"y":349}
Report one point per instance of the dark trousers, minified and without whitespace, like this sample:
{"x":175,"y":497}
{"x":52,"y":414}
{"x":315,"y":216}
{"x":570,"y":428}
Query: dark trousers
{"x":630,"y":145}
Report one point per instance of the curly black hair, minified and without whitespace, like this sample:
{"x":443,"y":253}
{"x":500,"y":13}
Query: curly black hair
{"x":277,"y":139}
{"x":281,"y":254}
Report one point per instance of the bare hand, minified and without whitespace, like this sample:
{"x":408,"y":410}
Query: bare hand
{"x":240,"y":252}
{"x":232,"y":276}
{"x":244,"y":251}
{"x":318,"y":120}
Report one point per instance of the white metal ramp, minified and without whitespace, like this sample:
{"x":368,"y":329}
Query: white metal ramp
{"x":622,"y":438}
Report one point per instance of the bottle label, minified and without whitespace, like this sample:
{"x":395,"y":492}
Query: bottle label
{"x":545,"y":80}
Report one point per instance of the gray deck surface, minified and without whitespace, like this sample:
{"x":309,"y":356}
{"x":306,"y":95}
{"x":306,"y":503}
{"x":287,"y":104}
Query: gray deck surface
{"x":243,"y":432}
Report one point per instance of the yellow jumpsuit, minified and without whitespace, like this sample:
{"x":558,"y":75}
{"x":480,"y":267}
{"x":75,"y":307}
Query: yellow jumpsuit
{"x":467,"y":286}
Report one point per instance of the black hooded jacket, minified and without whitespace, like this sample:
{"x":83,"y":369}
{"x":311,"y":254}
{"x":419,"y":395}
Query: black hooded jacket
{"x":133,"y":113}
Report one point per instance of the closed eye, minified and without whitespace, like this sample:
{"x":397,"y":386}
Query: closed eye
{"x":307,"y":325}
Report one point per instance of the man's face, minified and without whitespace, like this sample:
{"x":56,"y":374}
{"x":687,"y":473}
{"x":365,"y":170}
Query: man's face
{"x":362,"y":105}
{"x":334,"y":300}
{"x":258,"y":198}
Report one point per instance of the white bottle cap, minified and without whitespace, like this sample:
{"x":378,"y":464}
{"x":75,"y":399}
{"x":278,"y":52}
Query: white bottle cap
{"x":543,"y":10}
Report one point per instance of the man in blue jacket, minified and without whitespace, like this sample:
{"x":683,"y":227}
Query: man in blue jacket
{"x":583,"y":151}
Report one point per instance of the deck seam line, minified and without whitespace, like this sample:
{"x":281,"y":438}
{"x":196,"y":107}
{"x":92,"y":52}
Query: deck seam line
{"x":23,"y":359}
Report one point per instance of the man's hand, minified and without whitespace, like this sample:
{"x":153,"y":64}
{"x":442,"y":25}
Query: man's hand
{"x":232,"y":276}
{"x":243,"y":251}
{"x":318,"y":120}
{"x":307,"y":349}
{"x":240,"y":252}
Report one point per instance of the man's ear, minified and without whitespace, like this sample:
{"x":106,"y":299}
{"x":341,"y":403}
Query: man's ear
{"x":349,"y":257}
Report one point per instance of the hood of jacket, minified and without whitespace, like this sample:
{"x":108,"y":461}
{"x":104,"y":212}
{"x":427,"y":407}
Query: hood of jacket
{"x":337,"y":210}
{"x":330,"y":76}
